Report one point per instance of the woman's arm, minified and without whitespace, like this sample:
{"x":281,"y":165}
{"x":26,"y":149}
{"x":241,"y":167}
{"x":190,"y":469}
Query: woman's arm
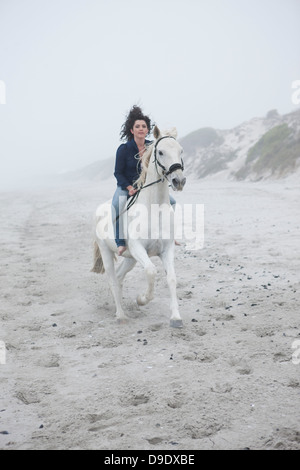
{"x":131,"y":190}
{"x":120,"y":166}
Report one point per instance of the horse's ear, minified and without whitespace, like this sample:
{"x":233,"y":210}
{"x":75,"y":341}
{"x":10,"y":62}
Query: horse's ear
{"x":156,"y":132}
{"x":172,"y":132}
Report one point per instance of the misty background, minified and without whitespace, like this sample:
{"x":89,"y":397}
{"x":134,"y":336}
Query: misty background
{"x":73,"y":69}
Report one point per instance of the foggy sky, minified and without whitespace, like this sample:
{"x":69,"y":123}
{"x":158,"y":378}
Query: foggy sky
{"x":73,"y":68}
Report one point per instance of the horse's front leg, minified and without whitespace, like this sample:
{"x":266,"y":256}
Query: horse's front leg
{"x":167,"y":258}
{"x":140,"y":254}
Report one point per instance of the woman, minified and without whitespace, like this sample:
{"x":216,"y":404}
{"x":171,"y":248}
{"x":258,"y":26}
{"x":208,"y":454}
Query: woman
{"x":128,"y":166}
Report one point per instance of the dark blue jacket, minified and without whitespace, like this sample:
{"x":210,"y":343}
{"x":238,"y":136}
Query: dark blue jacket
{"x":128,"y":165}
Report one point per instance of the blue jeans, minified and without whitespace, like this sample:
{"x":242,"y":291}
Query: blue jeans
{"x":118,"y":206}
{"x":172,"y":202}
{"x":119,"y":201}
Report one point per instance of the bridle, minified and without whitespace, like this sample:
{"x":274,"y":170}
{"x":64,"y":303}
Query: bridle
{"x":174,"y":167}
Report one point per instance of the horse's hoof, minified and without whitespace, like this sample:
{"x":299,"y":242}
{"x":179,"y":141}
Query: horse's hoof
{"x":176,"y":323}
{"x":122,"y":321}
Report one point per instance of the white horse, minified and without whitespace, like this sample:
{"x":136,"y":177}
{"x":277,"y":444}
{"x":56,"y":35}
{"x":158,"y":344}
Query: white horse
{"x":161,"y":165}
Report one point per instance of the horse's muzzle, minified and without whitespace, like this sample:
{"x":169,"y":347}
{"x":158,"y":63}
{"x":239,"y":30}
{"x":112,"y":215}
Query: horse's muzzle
{"x":178,"y":183}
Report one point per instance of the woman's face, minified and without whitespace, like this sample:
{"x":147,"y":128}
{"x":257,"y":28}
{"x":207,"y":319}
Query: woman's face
{"x":140,"y":129}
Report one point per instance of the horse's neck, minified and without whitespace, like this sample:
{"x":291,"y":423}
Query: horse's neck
{"x":157,"y":193}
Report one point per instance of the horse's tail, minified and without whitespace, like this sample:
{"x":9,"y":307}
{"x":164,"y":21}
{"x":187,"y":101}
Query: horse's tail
{"x":98,"y":261}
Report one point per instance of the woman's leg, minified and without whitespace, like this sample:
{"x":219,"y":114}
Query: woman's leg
{"x":118,"y":206}
{"x":172,"y":202}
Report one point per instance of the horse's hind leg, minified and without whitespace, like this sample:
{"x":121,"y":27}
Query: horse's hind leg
{"x":114,"y":283}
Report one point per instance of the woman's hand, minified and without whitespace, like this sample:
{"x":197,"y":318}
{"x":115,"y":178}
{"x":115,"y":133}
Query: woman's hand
{"x":131,"y":190}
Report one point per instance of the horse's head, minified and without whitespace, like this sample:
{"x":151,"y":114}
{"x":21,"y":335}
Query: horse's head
{"x":168,"y":157}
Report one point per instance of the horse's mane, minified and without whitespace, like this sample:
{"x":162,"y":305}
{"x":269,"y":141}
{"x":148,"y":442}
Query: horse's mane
{"x":144,"y":164}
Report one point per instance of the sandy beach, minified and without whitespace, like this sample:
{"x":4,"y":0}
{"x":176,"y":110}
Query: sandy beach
{"x":75,"y":379}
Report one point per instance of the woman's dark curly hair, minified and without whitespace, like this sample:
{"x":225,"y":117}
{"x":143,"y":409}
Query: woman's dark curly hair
{"x":135,"y":114}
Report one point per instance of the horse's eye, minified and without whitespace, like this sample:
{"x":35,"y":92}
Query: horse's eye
{"x":160,"y":152}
